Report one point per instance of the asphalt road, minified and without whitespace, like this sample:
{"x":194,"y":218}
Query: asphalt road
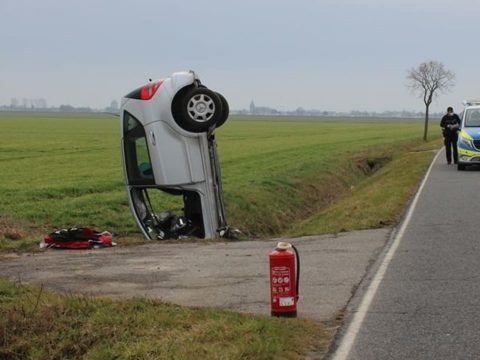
{"x":427,"y":303}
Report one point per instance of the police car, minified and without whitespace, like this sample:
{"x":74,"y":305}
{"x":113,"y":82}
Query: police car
{"x":469,"y":139}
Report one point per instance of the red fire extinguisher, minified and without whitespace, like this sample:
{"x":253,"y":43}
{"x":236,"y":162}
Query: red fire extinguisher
{"x":284,"y":280}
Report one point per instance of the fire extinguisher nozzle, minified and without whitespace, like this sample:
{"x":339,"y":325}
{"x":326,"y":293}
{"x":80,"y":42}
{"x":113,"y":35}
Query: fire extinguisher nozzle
{"x":283,"y":245}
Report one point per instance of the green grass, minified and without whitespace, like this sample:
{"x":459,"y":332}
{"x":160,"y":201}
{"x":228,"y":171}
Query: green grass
{"x":377,"y":202}
{"x":38,"y":325}
{"x":61,"y":170}
{"x":295,"y":176}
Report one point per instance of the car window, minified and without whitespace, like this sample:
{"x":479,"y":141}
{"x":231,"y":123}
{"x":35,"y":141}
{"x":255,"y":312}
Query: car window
{"x":472,"y":118}
{"x":137,"y":157}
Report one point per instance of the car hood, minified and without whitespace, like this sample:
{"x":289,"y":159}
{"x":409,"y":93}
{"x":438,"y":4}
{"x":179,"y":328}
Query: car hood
{"x":473,"y":132}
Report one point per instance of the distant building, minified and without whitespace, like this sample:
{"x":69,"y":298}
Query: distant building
{"x":113,"y":108}
{"x":114,"y":105}
{"x":262,"y":110}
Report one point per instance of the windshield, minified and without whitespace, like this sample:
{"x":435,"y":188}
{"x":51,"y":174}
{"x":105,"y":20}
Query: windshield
{"x":472,"y":118}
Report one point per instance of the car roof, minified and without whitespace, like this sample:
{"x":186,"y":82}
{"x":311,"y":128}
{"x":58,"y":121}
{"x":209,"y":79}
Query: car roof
{"x":472,"y":107}
{"x":472,"y":104}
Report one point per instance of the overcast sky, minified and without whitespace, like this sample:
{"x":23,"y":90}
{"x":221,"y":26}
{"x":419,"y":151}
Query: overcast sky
{"x":335,"y":55}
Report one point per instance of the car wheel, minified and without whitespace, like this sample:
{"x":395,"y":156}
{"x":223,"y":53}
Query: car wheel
{"x":461,"y":167}
{"x":225,"y":110}
{"x":196,"y":109}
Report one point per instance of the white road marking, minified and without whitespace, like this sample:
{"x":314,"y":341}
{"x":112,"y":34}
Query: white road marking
{"x":347,"y":341}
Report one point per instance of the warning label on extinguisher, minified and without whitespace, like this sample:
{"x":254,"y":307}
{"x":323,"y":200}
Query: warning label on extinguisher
{"x":281,"y":284}
{"x":287,"y":301}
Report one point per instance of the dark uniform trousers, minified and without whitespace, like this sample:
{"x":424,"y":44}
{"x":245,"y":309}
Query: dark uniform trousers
{"x":450,"y":142}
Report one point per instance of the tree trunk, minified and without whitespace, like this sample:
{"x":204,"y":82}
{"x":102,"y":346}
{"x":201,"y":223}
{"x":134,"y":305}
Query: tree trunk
{"x":426,"y":124}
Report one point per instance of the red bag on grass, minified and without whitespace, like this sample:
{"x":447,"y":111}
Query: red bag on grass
{"x":77,"y":238}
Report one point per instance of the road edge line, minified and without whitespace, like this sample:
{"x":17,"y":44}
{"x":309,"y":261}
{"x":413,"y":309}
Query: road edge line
{"x":348,"y":339}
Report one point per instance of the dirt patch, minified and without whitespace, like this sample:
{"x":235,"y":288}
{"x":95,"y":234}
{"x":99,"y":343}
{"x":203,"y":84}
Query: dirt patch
{"x":370,"y":165}
{"x":10,"y":229}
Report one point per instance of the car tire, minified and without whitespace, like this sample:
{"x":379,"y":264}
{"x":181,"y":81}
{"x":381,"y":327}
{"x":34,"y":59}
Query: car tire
{"x":196,"y":109}
{"x":225,"y":111}
{"x":461,"y":167}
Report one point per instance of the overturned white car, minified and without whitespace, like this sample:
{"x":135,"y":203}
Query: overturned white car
{"x":168,"y":144}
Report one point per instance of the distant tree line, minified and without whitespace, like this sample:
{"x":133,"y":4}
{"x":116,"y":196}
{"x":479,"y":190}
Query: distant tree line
{"x":40,"y":105}
{"x":300,"y":112}
{"x":255,"y":110}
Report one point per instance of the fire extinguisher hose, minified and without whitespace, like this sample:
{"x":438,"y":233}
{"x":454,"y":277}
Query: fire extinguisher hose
{"x":297,"y":257}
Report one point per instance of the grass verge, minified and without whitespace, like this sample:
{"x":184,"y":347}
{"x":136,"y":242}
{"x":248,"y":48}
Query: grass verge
{"x":375,"y":202}
{"x":39,"y":325}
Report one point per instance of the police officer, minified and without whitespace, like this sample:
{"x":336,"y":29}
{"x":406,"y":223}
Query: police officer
{"x":450,"y":125}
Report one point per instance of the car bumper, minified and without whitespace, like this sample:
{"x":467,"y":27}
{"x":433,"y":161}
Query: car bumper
{"x":467,"y":156}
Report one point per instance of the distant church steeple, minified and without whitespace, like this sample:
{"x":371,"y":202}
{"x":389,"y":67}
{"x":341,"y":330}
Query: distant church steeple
{"x":252,"y":107}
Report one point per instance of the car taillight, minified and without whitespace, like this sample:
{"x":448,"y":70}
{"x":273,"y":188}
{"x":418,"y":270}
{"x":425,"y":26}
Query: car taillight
{"x":145,"y":92}
{"x":150,"y":89}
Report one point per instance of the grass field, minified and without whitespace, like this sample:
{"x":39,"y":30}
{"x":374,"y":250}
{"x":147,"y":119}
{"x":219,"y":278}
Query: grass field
{"x":61,"y":170}
{"x":38,"y":325}
{"x":281,"y":176}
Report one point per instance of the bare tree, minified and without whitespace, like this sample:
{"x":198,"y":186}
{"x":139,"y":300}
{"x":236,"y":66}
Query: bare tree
{"x":428,"y":80}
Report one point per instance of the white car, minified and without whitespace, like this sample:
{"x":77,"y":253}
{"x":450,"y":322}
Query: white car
{"x":168,"y":144}
{"x":468,"y":144}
